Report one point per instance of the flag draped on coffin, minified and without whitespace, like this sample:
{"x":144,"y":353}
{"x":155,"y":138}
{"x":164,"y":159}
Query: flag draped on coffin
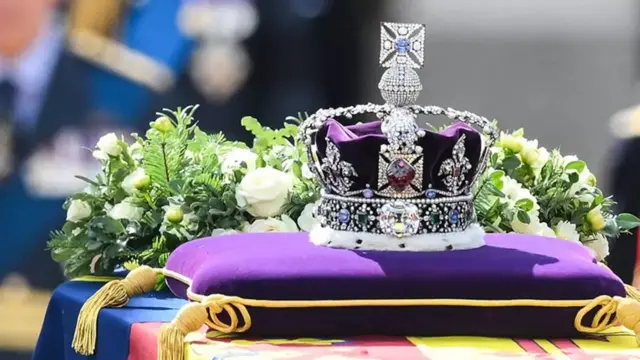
{"x":114,"y":325}
{"x":130,"y":333}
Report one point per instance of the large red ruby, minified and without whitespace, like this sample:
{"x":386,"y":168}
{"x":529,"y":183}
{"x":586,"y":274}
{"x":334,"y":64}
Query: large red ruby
{"x":400,"y":174}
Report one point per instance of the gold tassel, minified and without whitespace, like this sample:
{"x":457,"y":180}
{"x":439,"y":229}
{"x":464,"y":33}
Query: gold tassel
{"x":171,"y":337}
{"x":114,"y":294}
{"x":628,"y":312}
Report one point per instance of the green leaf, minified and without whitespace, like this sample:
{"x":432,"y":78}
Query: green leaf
{"x":523,"y":217}
{"x":547,"y":170}
{"x":573,"y":178}
{"x":627,"y":221}
{"x":492,"y":189}
{"x":87,"y":180}
{"x":577,"y":165}
{"x":511,"y":163}
{"x":525,"y":204}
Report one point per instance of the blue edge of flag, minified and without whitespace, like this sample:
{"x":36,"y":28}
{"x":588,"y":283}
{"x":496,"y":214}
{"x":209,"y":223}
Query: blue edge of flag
{"x":54,"y":342}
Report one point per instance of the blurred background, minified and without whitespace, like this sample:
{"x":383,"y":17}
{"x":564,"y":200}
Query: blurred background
{"x":72,"y":70}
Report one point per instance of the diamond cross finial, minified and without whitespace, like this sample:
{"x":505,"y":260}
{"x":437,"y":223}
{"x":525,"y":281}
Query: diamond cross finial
{"x":402,"y":45}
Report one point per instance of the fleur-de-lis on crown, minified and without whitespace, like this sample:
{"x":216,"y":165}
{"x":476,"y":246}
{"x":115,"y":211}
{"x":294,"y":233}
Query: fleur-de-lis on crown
{"x":455,"y":168}
{"x":338,"y":173}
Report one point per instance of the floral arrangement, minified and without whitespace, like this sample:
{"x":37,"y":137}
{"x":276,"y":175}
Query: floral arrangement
{"x":527,"y":189}
{"x":178,"y":183}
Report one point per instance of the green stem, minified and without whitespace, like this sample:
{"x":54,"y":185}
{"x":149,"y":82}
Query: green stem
{"x":149,"y":201}
{"x":164,"y":159}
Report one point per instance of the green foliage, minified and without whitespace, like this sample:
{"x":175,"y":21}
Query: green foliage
{"x":188,"y":170}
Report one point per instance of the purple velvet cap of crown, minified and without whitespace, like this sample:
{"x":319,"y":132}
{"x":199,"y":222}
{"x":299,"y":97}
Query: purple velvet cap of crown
{"x":360,"y":145}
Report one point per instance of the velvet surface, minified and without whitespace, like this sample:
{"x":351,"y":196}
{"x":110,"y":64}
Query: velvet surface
{"x":274,"y":266}
{"x":360,"y":144}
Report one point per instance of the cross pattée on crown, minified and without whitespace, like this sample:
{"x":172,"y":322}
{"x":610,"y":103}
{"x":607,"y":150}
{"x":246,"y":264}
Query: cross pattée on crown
{"x":402,"y":45}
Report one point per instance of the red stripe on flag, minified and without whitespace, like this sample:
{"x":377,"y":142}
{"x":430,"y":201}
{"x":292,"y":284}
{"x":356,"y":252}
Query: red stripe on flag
{"x":142,"y":341}
{"x":530,"y":346}
{"x":573,"y":351}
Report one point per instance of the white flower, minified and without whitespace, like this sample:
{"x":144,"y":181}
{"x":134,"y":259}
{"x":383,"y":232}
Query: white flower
{"x":78,"y":210}
{"x":219,"y":232}
{"x":272,"y":225}
{"x":534,"y":227}
{"x":109,"y":144}
{"x":514,"y":192}
{"x":533,"y":155}
{"x":511,"y":142}
{"x":567,"y":231}
{"x":128,"y":183}
{"x":307,"y":221}
{"x":126,"y":210}
{"x":236,"y":157}
{"x":100,"y":155}
{"x":599,"y":246}
{"x":264,"y":191}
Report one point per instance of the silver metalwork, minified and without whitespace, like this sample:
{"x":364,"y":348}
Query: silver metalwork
{"x":402,"y":44}
{"x":397,"y":204}
{"x":455,"y":168}
{"x":338,"y":172}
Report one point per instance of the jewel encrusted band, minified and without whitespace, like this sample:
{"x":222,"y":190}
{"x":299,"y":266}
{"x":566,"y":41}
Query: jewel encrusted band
{"x":399,"y":218}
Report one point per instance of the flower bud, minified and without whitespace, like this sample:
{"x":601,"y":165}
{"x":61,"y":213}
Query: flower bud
{"x":530,"y":155}
{"x":175,"y":215}
{"x":510,"y":142}
{"x":595,"y":219}
{"x":162,"y":124}
{"x":142,"y":182}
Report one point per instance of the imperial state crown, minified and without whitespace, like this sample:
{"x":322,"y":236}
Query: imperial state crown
{"x":390,"y":184}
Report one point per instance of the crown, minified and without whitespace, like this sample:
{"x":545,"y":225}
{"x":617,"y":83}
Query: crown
{"x":389,"y":184}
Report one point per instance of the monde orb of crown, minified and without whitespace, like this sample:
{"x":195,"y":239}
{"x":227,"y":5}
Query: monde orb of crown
{"x":400,"y":86}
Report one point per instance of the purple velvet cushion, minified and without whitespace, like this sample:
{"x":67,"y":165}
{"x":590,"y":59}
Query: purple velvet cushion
{"x":275,"y":266}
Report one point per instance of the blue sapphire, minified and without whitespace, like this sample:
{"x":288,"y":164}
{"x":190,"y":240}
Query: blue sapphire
{"x":430,"y":194}
{"x":453,"y":216}
{"x":343,"y":216}
{"x":368,"y":193}
{"x":402,"y":45}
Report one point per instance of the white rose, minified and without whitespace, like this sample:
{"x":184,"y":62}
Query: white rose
{"x":100,"y":155}
{"x":219,"y":232}
{"x":567,"y":231}
{"x":272,"y":225}
{"x":534,"y":156}
{"x":236,"y":157}
{"x":128,"y":183}
{"x":545,"y":230}
{"x":307,"y":221}
{"x":264,"y":191}
{"x":78,"y":210}
{"x":598,"y":246}
{"x":126,"y":210}
{"x":109,"y":144}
